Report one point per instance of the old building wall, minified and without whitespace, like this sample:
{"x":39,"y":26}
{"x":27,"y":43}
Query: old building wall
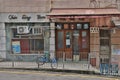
{"x":95,"y":47}
{"x":46,"y":5}
{"x":115,"y":46}
{"x":24,"y":6}
{"x":97,"y":24}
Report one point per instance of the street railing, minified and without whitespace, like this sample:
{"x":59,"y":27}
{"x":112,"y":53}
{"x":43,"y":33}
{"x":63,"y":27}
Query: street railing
{"x":65,"y":61}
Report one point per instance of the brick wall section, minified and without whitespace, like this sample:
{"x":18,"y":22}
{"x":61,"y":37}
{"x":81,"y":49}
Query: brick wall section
{"x":94,"y":46}
{"x":115,"y":43}
{"x":115,"y":37}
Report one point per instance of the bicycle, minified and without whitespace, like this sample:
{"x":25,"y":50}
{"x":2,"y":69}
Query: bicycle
{"x":41,"y":60}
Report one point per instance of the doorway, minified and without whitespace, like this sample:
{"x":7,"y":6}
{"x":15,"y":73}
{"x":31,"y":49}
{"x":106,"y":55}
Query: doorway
{"x":72,"y":41}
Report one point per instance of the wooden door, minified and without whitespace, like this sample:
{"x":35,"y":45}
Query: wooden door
{"x":72,"y":40}
{"x":76,"y":45}
{"x":84,"y":47}
{"x":68,"y":44}
{"x":60,"y":44}
{"x":64,"y":44}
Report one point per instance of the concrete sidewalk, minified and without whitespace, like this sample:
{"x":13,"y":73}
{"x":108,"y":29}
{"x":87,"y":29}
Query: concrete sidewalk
{"x":76,"y":66}
{"x":66,"y":66}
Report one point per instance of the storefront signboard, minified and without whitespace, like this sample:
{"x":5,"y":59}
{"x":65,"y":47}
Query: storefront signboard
{"x":23,"y":17}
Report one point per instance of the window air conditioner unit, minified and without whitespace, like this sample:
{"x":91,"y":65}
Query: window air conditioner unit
{"x":22,"y":29}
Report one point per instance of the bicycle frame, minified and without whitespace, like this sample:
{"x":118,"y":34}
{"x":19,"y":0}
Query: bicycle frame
{"x":41,"y":60}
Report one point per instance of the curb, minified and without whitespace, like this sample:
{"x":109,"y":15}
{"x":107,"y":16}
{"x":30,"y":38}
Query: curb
{"x":54,"y":70}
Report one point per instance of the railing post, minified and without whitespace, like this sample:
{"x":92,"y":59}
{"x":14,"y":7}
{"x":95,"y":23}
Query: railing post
{"x":88,"y":61}
{"x":63,"y":59}
{"x":13,"y":59}
{"x":36,"y":59}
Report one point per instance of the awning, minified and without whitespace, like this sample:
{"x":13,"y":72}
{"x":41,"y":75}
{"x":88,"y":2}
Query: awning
{"x":68,"y":16}
{"x":84,"y":11}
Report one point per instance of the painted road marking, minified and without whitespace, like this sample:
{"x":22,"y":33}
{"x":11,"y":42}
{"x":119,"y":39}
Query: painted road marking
{"x":58,"y":74}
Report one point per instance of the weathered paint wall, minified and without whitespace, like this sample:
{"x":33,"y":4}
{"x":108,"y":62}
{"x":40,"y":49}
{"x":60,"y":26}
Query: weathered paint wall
{"x":95,"y":46}
{"x":45,"y":5}
{"x":2,"y":40}
{"x":115,"y":46}
{"x":24,"y":6}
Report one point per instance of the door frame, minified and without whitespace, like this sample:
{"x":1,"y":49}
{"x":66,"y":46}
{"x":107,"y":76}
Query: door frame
{"x":64,"y":49}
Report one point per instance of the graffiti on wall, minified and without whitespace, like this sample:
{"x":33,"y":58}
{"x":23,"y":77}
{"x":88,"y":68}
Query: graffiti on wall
{"x":115,"y":50}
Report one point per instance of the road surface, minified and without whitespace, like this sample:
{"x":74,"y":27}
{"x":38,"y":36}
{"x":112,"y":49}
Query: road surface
{"x":44,"y":75}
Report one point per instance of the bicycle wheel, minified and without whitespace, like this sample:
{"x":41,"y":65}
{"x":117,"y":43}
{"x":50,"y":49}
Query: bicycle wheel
{"x":54,"y":63}
{"x":40,"y":60}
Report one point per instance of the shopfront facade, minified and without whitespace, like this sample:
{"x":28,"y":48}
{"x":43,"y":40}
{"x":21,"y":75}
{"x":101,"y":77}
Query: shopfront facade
{"x":24,"y":33}
{"x":84,"y":34}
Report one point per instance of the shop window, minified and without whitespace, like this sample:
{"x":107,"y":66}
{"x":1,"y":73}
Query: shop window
{"x":84,"y":39}
{"x":37,"y":44}
{"x":76,"y":33}
{"x":84,"y":33}
{"x":32,"y":31}
{"x":37,"y":30}
{"x":14,"y":33}
{"x":104,"y":37}
{"x":85,"y":26}
{"x":104,"y":33}
{"x":30,"y":42}
{"x":79,"y":26}
{"x":104,"y":42}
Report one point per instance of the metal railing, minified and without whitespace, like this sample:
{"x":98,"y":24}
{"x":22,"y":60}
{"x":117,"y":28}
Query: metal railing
{"x":66,"y":61}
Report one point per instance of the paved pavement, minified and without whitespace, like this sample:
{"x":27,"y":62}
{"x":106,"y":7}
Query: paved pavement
{"x":61,"y":65}
{"x":83,"y":67}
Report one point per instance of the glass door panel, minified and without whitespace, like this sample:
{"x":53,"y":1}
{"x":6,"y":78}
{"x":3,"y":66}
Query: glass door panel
{"x":84,"y":39}
{"x":60,"y":40}
{"x":68,"y":45}
{"x":76,"y":44}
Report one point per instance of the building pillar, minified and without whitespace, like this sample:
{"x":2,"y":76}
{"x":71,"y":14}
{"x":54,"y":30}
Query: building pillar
{"x":2,"y":40}
{"x":52,"y":40}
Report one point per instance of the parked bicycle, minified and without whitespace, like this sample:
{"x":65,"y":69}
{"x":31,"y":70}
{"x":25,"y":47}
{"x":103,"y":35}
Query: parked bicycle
{"x":41,"y":60}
